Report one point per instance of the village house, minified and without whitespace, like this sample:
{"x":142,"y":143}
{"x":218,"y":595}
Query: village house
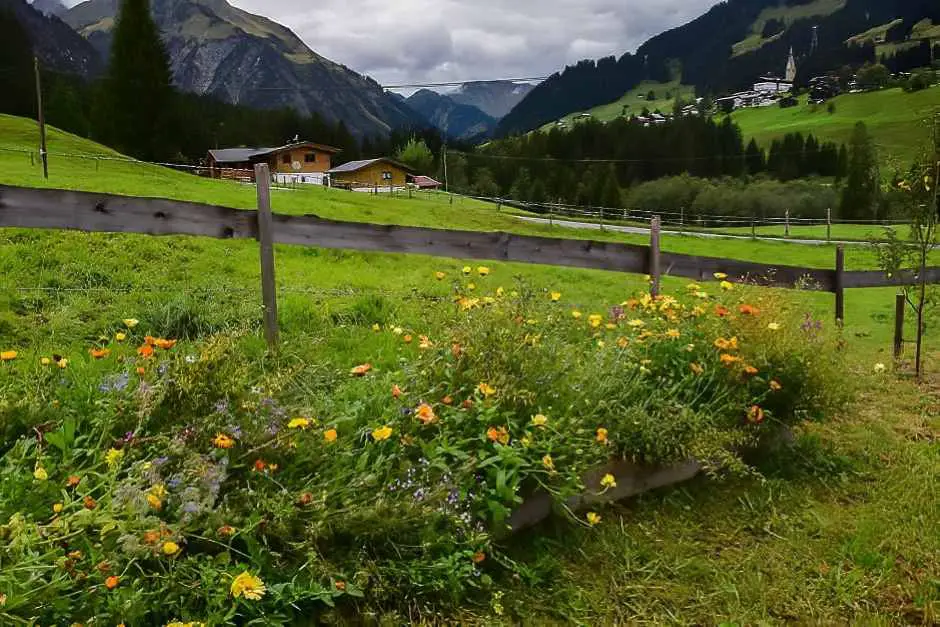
{"x":297,"y":162}
{"x":370,"y":174}
{"x":424,"y":182}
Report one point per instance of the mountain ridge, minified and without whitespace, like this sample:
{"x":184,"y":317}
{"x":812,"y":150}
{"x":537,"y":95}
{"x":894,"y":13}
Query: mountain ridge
{"x":456,"y":120}
{"x":58,"y":47}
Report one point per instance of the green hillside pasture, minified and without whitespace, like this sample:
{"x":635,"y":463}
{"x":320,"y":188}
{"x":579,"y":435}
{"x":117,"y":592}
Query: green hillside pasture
{"x":634,"y":101}
{"x":787,"y":15}
{"x":898,"y":121}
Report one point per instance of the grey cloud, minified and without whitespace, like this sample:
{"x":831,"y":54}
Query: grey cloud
{"x":417,"y":41}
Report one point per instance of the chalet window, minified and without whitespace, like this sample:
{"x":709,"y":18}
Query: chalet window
{"x":310,"y":157}
{"x":285,"y":159}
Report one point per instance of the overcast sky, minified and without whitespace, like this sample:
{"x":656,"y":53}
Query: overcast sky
{"x":418,"y":41}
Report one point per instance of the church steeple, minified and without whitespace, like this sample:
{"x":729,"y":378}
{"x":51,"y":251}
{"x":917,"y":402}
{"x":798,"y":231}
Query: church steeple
{"x":791,"y":67}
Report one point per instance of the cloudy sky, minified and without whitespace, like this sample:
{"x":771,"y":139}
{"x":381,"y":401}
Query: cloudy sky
{"x":417,"y":41}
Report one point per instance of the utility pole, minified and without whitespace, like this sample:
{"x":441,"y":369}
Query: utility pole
{"x":446,"y":184}
{"x":42,"y":122}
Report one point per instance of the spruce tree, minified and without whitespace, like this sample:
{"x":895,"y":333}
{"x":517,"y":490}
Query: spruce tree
{"x":754,"y":158}
{"x":138,"y":94}
{"x":862,"y":186}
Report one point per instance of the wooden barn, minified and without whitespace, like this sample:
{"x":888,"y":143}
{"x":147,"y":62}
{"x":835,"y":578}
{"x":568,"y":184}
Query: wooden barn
{"x":299,"y":162}
{"x":381,"y":173}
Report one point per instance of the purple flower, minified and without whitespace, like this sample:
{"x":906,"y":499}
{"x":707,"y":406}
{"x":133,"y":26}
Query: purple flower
{"x":221,"y":406}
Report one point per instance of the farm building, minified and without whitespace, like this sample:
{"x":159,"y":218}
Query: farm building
{"x":370,"y":174}
{"x":299,"y":162}
{"x":424,"y":182}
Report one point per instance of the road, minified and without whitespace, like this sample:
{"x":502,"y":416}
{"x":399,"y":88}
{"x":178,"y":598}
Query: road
{"x":639,"y":230}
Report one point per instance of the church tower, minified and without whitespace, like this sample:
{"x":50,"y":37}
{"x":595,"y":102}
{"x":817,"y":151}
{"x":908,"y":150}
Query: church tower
{"x":791,"y":68}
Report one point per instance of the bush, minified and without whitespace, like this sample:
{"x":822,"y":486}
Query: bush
{"x":163,"y":493}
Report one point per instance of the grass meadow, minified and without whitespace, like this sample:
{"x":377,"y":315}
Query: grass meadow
{"x":839,"y":528}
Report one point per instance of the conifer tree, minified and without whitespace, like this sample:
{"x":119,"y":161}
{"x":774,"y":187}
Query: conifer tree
{"x":862,"y":186}
{"x":18,"y":96}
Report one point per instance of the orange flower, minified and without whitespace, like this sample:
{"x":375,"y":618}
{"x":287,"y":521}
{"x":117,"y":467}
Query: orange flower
{"x":89,"y":503}
{"x":729,"y":360}
{"x":396,"y":391}
{"x":486,"y":390}
{"x":260,"y":465}
{"x":467,"y":404}
{"x":448,"y":400}
{"x":226,"y":531}
{"x":8,"y":355}
{"x":775,"y":385}
{"x":408,"y":339}
{"x":361,"y":371}
{"x":425,"y":414}
{"x":99,"y":353}
{"x":112,"y":582}
{"x":602,"y":435}
{"x":500,"y":435}
{"x":145,"y":351}
{"x":722,"y":311}
{"x":223,"y":441}
{"x":151,"y":537}
{"x":425,"y":343}
{"x":755,"y":415}
{"x":479,"y":557}
{"x":340,"y":586}
{"x":727,"y":345}
{"x":330,"y":435}
{"x":750,"y":371}
{"x":165,"y":344}
{"x":73,"y":481}
{"x":141,"y":371}
{"x":456,"y":350}
{"x":749,"y":310}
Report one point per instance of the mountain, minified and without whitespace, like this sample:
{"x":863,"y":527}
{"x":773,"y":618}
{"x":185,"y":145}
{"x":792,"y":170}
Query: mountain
{"x":730,"y":46}
{"x":50,"y":7}
{"x":459,"y":121}
{"x":494,"y":98}
{"x":247,"y":59}
{"x":58,"y":47}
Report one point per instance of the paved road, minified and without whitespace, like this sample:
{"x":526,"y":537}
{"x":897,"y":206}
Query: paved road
{"x":639,"y":230}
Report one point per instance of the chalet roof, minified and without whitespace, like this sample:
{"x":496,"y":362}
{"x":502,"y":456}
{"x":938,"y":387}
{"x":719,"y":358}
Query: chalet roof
{"x":242,"y":155}
{"x":355,"y":166}
{"x":426,"y":181}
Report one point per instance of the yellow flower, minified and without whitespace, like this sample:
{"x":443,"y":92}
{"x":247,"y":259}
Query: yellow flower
{"x":720,"y":276}
{"x":539,"y":420}
{"x":697,"y":369}
{"x":440,"y":276}
{"x":299,"y":423}
{"x":330,"y":435}
{"x":376,"y":327}
{"x":693,"y":287}
{"x":425,"y":343}
{"x":248,"y":586}
{"x":729,"y":360}
{"x":500,"y":292}
{"x":120,"y":337}
{"x":158,"y":491}
{"x":45,"y":361}
{"x":154,"y":501}
{"x":880,"y":368}
{"x":775,"y":385}
{"x":549,"y":463}
{"x":593,"y":519}
{"x":114,"y":457}
{"x":702,"y":295}
{"x":602,"y":435}
{"x":223,"y":441}
{"x":636,"y":324}
{"x":727,"y":345}
{"x":623,"y":342}
{"x":576,"y":315}
{"x":486,"y":390}
{"x":608,"y":482}
{"x":555,"y":296}
{"x":727,"y":286}
{"x":483,"y":271}
{"x":673,"y":334}
{"x":170,"y":548}
{"x":382,"y":433}
{"x":39,"y":473}
{"x":595,"y":320}
{"x":471,"y":286}
{"x":57,"y":508}
{"x":467,"y":269}
{"x":130,"y":323}
{"x":62,"y":363}
{"x":398,"y":330}
{"x":774,"y":326}
{"x":8,"y":355}
{"x":500,"y":435}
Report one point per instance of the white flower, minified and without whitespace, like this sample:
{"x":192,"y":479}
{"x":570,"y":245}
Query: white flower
{"x":880,"y":368}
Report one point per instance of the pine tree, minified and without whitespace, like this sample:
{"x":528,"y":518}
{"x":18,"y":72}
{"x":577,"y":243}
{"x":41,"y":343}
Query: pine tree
{"x":754,"y":158}
{"x":862,"y":186}
{"x":522,"y":186}
{"x":138,"y":94}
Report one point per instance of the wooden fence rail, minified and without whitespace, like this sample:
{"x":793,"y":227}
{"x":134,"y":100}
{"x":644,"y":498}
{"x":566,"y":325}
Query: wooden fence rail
{"x":83,"y":211}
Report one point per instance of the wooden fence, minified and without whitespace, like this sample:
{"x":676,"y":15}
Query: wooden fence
{"x":59,"y":209}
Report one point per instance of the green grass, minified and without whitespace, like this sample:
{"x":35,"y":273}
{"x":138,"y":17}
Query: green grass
{"x":898,"y":121}
{"x":845,"y":531}
{"x":634,"y":101}
{"x":787,"y":15}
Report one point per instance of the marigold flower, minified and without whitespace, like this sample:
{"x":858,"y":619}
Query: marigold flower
{"x":775,"y":385}
{"x":549,"y":463}
{"x":260,"y":465}
{"x":330,"y":436}
{"x":755,"y":415}
{"x":555,"y":296}
{"x":340,"y":586}
{"x":729,"y":360}
{"x":248,"y":586}
{"x":151,"y":537}
{"x":486,"y":390}
{"x":223,"y":441}
{"x":749,"y":310}
{"x":396,"y":391}
{"x":467,"y":404}
{"x":113,"y":457}
{"x":8,"y":355}
{"x":595,"y":320}
{"x":425,"y":414}
{"x":673,"y":334}
{"x":154,"y":502}
{"x":141,"y":371}
{"x":774,"y":326}
{"x":382,"y":433}
{"x":226,"y":531}
{"x":697,"y":369}
{"x":62,"y":363}
{"x":408,"y":339}
{"x":593,"y":519}
{"x":636,"y":324}
{"x":72,"y":481}
{"x":750,"y":371}
{"x":602,"y":435}
{"x":539,"y":420}
{"x":145,"y":351}
{"x":727,"y":286}
{"x":623,"y":342}
{"x":448,"y":400}
{"x":722,"y":311}
{"x":500,"y":435}
{"x":440,"y":276}
{"x":483,"y":271}
{"x":45,"y":361}
{"x":89,"y":503}
{"x":39,"y":473}
{"x":57,"y":508}
{"x":730,"y":344}
{"x":112,"y":582}
{"x":720,"y":276}
{"x":361,"y":371}
{"x":170,"y":548}
{"x":130,"y":323}
{"x":164,"y":344}
{"x":298,"y":423}
{"x":479,"y":557}
{"x":425,"y":343}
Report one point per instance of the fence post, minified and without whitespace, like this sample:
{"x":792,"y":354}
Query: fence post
{"x":753,"y":229}
{"x":654,"y":271}
{"x":787,"y":233}
{"x":601,"y":214}
{"x":840,"y":285}
{"x":900,"y":307}
{"x":829,"y":224}
{"x":266,"y":238}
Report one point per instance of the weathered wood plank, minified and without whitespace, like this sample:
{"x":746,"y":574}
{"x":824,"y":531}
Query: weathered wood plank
{"x":266,"y":240}
{"x":770,"y":275}
{"x":880,"y":279}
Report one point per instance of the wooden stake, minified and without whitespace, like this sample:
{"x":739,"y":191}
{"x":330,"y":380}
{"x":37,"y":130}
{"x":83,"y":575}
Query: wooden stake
{"x":655,"y":227}
{"x":266,"y":238}
{"x":43,"y":154}
{"x":900,"y":308}
{"x":840,"y":285}
{"x":829,"y":224}
{"x":787,"y":234}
